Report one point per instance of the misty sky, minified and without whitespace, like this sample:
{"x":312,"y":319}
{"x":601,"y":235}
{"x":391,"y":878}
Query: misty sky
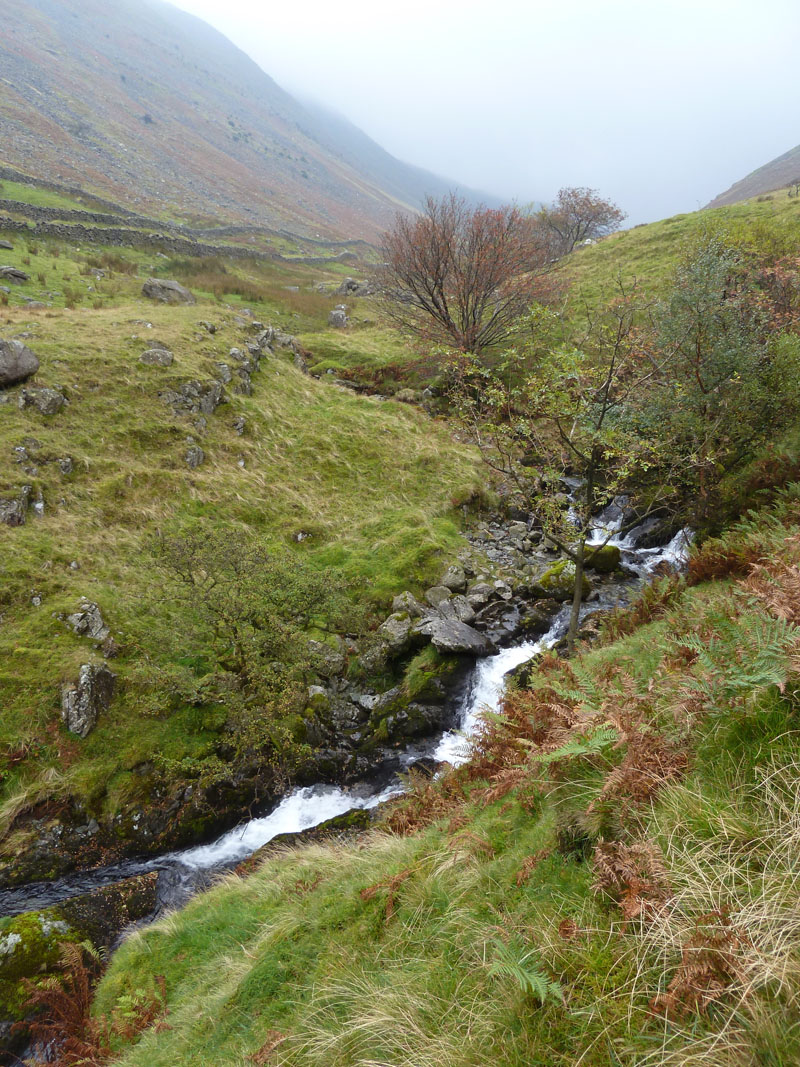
{"x":659,"y":104}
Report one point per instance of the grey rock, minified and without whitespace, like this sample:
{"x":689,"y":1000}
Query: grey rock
{"x":458,"y":607}
{"x":84,"y":700}
{"x":436,"y":594}
{"x":17,"y":363}
{"x":450,"y":635}
{"x":7,"y":245}
{"x":408,"y":603}
{"x":47,"y":401}
{"x":194,"y":457}
{"x":240,"y":424}
{"x":326,"y":660}
{"x":66,"y":465}
{"x":338,"y":318}
{"x":14,"y":510}
{"x":454,"y":579}
{"x":224,"y":373}
{"x":194,"y":398}
{"x":209,"y":327}
{"x":14,"y":275}
{"x":503,"y":590}
{"x":157,"y":357}
{"x":395,"y":632}
{"x":167,"y":291}
{"x":88,"y":621}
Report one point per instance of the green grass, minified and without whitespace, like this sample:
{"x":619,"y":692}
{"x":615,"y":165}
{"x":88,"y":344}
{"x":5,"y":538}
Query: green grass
{"x":447,"y":948}
{"x":41,"y":197}
{"x":374,"y":487}
{"x":648,"y":254}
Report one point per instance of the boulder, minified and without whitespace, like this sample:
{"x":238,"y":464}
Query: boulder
{"x":47,"y":401}
{"x":88,"y":622}
{"x":395,"y":633}
{"x":454,"y":579}
{"x":7,"y":245}
{"x":13,"y":510}
{"x":408,"y":603}
{"x":457,"y":607}
{"x":82,"y":701}
{"x":14,"y":275}
{"x":604,"y":560}
{"x":453,"y":636}
{"x":167,"y":292}
{"x":338,"y":318}
{"x":558,"y":582}
{"x":157,"y":357}
{"x":436,"y":594}
{"x":326,"y":660}
{"x":16,"y":363}
{"x":318,"y":698}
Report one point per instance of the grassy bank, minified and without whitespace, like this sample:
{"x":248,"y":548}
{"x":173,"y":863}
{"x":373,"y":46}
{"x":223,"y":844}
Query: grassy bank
{"x":370,"y":489}
{"x":612,"y":881}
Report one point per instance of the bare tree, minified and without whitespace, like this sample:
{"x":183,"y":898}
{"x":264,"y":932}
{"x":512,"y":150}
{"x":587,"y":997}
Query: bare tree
{"x":578,"y":215}
{"x":461,"y":276}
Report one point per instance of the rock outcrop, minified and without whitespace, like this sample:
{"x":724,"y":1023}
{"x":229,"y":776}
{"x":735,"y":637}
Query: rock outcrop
{"x":82,"y":701}
{"x":46,"y":401}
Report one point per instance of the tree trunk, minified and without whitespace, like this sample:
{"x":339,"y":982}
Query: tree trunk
{"x":576,"y":595}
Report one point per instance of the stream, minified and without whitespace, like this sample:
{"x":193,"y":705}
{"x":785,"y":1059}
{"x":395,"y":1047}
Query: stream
{"x":184,"y":873}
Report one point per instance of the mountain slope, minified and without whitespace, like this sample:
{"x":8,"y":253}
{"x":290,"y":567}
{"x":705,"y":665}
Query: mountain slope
{"x":777,"y":174}
{"x":150,"y":105}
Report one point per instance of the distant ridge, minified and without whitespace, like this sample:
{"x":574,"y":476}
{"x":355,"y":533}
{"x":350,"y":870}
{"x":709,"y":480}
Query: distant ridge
{"x":776,"y":174}
{"x":151,"y":107}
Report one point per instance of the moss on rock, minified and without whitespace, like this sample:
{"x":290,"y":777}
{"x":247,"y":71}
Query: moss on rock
{"x":558,"y":582}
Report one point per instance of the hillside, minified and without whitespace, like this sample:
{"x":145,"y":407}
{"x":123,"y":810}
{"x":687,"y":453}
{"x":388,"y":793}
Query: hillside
{"x":151,"y":107}
{"x":777,"y":174}
{"x":244,"y":551}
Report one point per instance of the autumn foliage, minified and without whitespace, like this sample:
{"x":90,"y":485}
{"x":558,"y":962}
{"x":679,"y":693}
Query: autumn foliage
{"x":461,"y":276}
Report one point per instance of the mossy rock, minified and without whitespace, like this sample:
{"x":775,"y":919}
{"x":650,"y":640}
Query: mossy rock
{"x":558,"y":582}
{"x":29,"y":949}
{"x":604,"y":560}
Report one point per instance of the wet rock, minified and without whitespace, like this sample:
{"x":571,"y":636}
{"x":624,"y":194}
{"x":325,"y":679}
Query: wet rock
{"x":47,"y":401}
{"x":88,"y":622}
{"x":558,"y":582}
{"x":157,"y":357}
{"x":167,"y":291}
{"x":101,"y":915}
{"x":17,"y":363}
{"x":194,"y":457}
{"x":14,"y":510}
{"x":604,"y":560}
{"x":82,"y":702}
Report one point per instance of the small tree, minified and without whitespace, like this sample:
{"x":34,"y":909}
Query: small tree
{"x":578,"y":214}
{"x":461,"y":276}
{"x":561,"y":406}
